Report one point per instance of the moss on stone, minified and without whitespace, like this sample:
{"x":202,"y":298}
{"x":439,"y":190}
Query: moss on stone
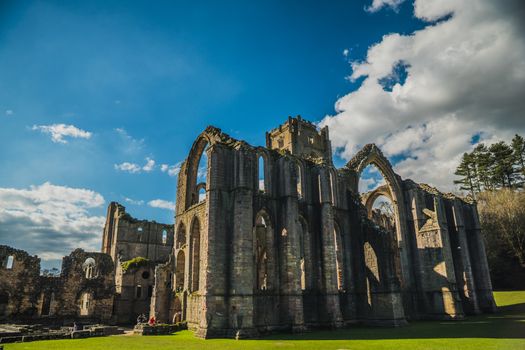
{"x":134,"y":263}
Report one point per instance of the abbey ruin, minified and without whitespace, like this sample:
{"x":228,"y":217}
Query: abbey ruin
{"x":275,"y":238}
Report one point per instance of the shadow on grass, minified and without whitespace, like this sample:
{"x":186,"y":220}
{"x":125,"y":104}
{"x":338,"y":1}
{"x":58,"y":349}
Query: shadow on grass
{"x":508,"y":322}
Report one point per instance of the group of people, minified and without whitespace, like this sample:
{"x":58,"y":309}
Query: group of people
{"x":143,"y":319}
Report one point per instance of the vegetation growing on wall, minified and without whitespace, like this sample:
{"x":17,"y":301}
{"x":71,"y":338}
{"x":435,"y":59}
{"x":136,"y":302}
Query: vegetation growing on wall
{"x":134,"y":263}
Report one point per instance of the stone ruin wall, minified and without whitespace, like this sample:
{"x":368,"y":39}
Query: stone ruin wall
{"x":25,"y":295}
{"x":301,"y":252}
{"x":326,"y":262}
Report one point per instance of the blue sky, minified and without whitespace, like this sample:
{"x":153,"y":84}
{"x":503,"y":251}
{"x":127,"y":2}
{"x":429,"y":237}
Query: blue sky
{"x":145,"y":78}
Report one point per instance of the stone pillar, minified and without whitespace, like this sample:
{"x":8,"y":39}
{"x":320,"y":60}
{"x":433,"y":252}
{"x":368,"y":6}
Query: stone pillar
{"x":160,"y":300}
{"x":290,"y":267}
{"x":329,"y":262}
{"x":215,"y":244}
{"x":481,"y":266}
{"x":242,"y":265}
{"x":451,"y":299}
{"x":468,"y":278}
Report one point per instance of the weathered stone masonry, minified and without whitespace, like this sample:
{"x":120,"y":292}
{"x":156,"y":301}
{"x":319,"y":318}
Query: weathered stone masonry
{"x":281,"y":240}
{"x":84,"y":289}
{"x":300,"y":250}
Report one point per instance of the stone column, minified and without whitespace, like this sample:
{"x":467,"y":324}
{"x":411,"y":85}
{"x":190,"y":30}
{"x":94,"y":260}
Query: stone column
{"x":468,"y":278}
{"x":481,"y":266}
{"x":329,"y":262}
{"x":215,"y":245}
{"x":242,"y":265}
{"x":290,"y":267}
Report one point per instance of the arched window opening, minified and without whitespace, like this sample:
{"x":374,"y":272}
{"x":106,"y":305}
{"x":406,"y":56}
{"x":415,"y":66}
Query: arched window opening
{"x":299,"y":181}
{"x":85,"y":304}
{"x":138,"y":291}
{"x":181,"y":236}
{"x":195,"y":255}
{"x":202,"y":170}
{"x":202,"y":193}
{"x":179,"y":271}
{"x":382,"y":213}
{"x":339,"y":257}
{"x":376,"y":197}
{"x":262,"y":252}
{"x":164,"y":237}
{"x":261,"y":170}
{"x":304,"y":254}
{"x":89,"y":268}
{"x":9,"y":262}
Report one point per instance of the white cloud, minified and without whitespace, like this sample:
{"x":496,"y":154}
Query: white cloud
{"x":133,"y":201}
{"x":172,"y":170}
{"x":128,"y":167}
{"x":50,"y":220}
{"x":162,"y":204}
{"x":134,"y":168}
{"x":346,"y":52}
{"x":150,"y":164}
{"x":59,"y":131}
{"x":379,"y":4}
{"x":465,"y":75}
{"x":9,"y":112}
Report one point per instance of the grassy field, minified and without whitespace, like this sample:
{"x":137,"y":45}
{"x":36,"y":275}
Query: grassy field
{"x":504,"y":330}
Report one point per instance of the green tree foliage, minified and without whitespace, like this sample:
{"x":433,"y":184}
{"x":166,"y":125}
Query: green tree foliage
{"x":488,"y":168}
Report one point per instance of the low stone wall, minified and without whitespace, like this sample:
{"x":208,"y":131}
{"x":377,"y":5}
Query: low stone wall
{"x":65,"y":333}
{"x":159,"y":329}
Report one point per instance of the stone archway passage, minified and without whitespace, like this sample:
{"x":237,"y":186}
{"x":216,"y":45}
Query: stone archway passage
{"x":371,"y":154}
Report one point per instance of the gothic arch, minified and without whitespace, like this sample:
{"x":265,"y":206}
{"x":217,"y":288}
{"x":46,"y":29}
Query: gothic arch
{"x":195,"y":239}
{"x":264,"y":252}
{"x":264,"y":154}
{"x":370,"y":197}
{"x":371,"y":154}
{"x":197,"y":149}
{"x":181,"y":236}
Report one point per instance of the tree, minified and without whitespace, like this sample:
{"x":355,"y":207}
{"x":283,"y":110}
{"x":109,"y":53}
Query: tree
{"x":483,"y":164}
{"x":502,"y":216}
{"x":466,"y":170}
{"x":503,"y":164}
{"x":518,"y":149}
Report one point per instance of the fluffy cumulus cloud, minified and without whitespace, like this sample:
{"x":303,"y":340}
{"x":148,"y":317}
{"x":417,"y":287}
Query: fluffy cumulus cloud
{"x":134,"y":168}
{"x":50,"y":220}
{"x":162,"y":204}
{"x":59,"y":132}
{"x":424,"y":95}
{"x":171,"y":170}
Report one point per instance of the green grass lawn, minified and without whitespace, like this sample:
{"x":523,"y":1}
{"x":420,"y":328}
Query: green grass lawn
{"x":504,"y":330}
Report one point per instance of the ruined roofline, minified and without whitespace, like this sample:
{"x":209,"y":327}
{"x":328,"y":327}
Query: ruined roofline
{"x":18,"y":252}
{"x":363,"y":154}
{"x":289,"y":121}
{"x":215,"y":135}
{"x":371,"y":149}
{"x":124,"y":214}
{"x":434,"y":191}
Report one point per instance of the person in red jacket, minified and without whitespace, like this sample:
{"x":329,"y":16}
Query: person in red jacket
{"x":152,"y":321}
